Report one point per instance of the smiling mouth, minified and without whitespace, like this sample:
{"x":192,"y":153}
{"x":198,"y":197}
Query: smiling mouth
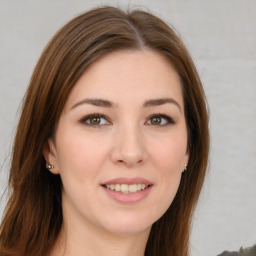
{"x":127,"y":188}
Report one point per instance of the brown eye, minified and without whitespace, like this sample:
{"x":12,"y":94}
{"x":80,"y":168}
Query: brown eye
{"x":160,"y":120}
{"x":94,"y":120}
{"x":155,"y":120}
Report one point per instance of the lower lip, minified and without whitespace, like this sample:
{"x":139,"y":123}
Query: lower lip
{"x":129,"y":197}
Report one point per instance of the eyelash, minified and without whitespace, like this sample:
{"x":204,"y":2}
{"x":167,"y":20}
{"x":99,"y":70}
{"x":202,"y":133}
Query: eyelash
{"x":84,"y":120}
{"x":95,"y":115}
{"x":169,"y":120}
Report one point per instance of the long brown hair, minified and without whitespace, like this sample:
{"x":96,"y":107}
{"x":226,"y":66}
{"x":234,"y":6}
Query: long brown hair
{"x":33,"y":215}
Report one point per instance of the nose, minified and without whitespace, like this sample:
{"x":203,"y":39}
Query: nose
{"x":129,"y":148}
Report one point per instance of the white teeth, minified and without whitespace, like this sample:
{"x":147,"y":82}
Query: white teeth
{"x":117,"y":187}
{"x":132,"y":188}
{"x":125,"y":188}
{"x":139,"y":187}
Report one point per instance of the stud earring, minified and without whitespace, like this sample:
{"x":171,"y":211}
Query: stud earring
{"x":185,"y":167}
{"x":48,"y":166}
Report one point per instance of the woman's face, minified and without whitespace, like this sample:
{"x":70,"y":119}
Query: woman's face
{"x":120,"y":144}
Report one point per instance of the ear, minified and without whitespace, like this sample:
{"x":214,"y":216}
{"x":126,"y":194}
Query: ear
{"x":50,"y":155}
{"x":186,"y":159}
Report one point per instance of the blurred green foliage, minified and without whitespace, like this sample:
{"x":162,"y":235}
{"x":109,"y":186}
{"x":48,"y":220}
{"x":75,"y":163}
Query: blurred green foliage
{"x":250,"y":251}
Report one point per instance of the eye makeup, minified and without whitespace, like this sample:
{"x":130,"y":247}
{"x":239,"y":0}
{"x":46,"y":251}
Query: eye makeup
{"x":97,"y":120}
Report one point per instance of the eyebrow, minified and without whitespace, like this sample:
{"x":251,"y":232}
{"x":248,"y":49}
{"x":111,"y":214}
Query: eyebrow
{"x":109,"y":104}
{"x":158,"y":102}
{"x":95,"y":102}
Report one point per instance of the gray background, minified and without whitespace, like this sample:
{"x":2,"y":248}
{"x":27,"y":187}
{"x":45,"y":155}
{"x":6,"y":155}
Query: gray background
{"x":221,"y":36}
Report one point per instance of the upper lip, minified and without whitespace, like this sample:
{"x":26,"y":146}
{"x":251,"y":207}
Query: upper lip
{"x":129,"y":181}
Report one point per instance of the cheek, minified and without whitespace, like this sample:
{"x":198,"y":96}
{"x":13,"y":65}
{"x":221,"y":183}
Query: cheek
{"x":170,"y":164}
{"x":169,"y":158}
{"x":169,"y":154}
{"x":80,"y":156}
{"x":80,"y":160}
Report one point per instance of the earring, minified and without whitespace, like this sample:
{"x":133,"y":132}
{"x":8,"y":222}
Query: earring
{"x":48,"y":166}
{"x":185,"y":167}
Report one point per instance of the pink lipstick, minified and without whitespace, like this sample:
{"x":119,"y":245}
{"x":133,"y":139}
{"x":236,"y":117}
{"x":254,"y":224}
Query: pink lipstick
{"x":127,"y":190}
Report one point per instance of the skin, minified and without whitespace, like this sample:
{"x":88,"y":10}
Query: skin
{"x":126,"y":142}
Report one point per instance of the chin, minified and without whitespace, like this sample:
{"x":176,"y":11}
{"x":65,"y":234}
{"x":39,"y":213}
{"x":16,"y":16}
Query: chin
{"x":128,"y":225}
{"x":127,"y":230}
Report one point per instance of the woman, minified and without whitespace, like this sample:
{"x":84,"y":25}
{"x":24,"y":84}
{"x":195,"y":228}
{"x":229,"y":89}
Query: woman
{"x":111,"y":149}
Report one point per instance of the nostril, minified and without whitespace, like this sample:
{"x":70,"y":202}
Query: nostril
{"x":128,"y":156}
{"x":120,"y":161}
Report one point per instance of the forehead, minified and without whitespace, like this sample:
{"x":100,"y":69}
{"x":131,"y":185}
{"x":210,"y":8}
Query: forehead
{"x":128,"y":76}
